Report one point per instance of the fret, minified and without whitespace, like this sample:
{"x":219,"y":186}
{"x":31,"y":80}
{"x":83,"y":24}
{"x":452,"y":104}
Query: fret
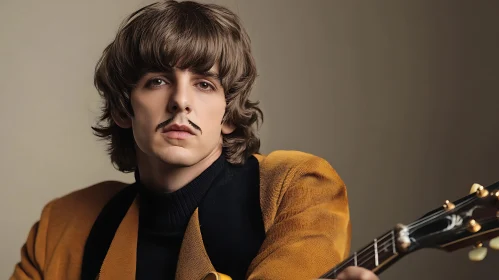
{"x":386,"y":250}
{"x":350,"y":262}
{"x":376,"y":261}
{"x":332,"y":274}
{"x":393,"y":243}
{"x":367,"y":258}
{"x":355,"y":259}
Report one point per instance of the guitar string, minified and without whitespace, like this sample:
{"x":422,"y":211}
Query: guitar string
{"x":381,"y":239}
{"x":483,"y":221}
{"x":346,"y":262}
{"x":384,"y":245}
{"x":438,"y":214}
{"x":412,"y":226}
{"x":372,"y":245}
{"x":366,"y":258}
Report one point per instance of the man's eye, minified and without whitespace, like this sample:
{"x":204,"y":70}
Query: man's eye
{"x":156,"y":82}
{"x":205,"y":86}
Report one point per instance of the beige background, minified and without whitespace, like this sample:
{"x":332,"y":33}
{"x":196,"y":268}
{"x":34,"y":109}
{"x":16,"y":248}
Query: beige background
{"x":400,"y":97}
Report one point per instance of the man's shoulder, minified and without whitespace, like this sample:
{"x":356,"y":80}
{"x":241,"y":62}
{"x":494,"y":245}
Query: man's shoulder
{"x":84,"y":202}
{"x":281,"y":164}
{"x":292,"y":179}
{"x":288,"y":159}
{"x":93,"y":194}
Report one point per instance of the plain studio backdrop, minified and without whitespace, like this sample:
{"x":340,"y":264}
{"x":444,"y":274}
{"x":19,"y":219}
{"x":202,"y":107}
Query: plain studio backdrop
{"x":400,"y":97}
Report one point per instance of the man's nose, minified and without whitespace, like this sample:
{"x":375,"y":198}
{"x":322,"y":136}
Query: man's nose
{"x":180,"y":100}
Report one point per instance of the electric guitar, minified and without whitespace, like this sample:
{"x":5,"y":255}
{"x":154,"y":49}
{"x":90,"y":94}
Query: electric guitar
{"x":468,"y":221}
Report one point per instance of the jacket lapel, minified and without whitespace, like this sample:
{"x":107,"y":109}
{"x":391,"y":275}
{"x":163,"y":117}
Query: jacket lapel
{"x":121,"y":258}
{"x":193,"y":262}
{"x":120,"y":261}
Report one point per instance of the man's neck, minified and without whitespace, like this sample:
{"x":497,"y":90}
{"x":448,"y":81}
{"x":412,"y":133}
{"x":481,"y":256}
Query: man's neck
{"x":162,"y":177}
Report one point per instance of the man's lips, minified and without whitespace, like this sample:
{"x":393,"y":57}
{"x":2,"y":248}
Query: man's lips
{"x":178,"y":128}
{"x":177,"y":131}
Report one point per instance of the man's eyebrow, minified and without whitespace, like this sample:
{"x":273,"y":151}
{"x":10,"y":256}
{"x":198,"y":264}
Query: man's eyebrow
{"x":210,"y":74}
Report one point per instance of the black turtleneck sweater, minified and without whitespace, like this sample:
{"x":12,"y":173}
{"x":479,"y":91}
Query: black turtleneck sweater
{"x":229,"y":213}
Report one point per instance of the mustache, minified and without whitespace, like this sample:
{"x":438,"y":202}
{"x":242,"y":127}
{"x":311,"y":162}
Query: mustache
{"x":168,"y":121}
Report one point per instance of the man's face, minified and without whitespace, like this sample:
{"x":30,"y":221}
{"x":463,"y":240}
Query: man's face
{"x":178,"y":116}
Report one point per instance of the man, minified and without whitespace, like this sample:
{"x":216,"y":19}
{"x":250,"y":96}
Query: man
{"x":176,"y":82}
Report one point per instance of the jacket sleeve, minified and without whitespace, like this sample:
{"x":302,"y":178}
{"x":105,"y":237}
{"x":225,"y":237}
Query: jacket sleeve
{"x":33,"y":251}
{"x":311,"y":231}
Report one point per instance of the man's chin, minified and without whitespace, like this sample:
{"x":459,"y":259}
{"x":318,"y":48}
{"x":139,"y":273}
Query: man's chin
{"x":177,"y":156}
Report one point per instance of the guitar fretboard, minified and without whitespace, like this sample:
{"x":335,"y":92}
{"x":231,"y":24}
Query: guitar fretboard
{"x":373,"y":256}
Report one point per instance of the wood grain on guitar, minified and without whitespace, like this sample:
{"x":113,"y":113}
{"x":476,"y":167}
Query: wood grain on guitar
{"x":469,"y":221}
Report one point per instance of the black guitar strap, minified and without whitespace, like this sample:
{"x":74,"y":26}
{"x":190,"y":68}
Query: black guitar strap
{"x":103,"y":231}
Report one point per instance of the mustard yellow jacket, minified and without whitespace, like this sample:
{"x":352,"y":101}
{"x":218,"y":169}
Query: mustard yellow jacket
{"x":305,"y":212}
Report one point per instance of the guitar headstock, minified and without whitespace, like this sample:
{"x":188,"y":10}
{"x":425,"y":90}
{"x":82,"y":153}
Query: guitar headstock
{"x":472,"y":220}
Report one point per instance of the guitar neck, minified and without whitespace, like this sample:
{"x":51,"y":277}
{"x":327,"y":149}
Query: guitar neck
{"x":376,"y":256}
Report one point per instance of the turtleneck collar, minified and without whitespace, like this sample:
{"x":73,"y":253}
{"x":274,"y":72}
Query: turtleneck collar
{"x":161,"y":211}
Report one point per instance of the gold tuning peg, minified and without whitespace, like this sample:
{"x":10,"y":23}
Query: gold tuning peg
{"x":448,"y":205}
{"x":473,"y":226}
{"x":474,"y":188}
{"x":479,"y":190}
{"x":494,"y":243}
{"x":478,"y":253}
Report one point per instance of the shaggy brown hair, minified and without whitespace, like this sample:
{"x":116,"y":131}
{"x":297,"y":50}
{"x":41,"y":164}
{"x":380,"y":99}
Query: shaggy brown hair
{"x":187,"y":35}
